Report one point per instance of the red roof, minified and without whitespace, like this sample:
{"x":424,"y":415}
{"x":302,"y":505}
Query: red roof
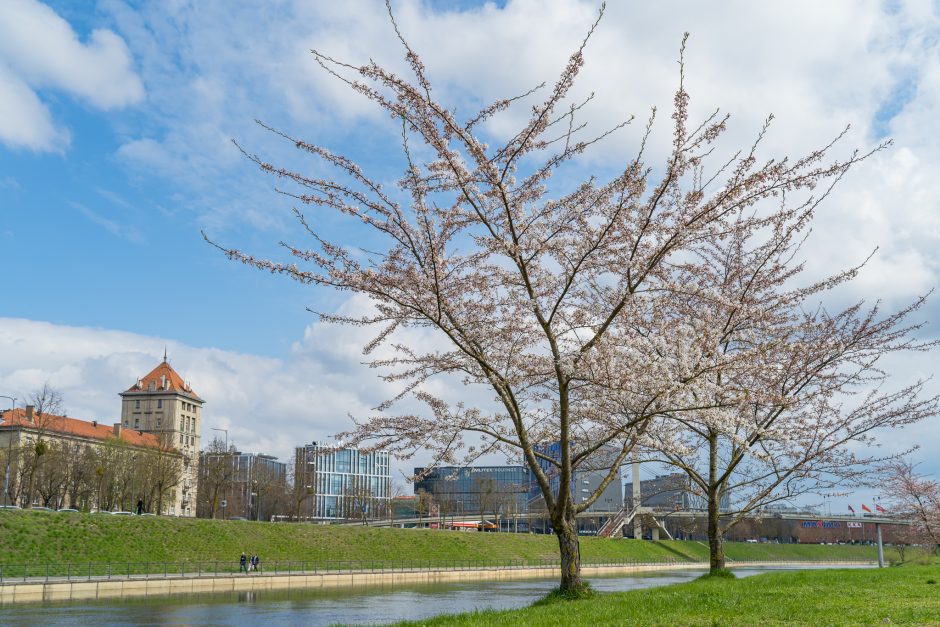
{"x":64,"y":425}
{"x":164,"y":379}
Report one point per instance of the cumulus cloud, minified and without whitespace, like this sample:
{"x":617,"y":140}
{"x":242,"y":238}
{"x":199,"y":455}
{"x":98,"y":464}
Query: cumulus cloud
{"x":40,"y":51}
{"x":269,"y":405}
{"x":816,"y":66}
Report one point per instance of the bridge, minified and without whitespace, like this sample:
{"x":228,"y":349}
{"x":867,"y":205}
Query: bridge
{"x":616,"y":520}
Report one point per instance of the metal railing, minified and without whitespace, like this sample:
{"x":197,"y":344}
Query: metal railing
{"x":98,"y":571}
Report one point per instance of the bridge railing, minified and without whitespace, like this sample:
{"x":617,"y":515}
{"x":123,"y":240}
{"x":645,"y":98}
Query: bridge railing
{"x":98,"y":571}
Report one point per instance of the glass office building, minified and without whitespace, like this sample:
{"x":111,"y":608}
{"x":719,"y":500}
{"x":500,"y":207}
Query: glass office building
{"x":343,"y":483}
{"x":248,"y":491}
{"x":494,"y":491}
{"x":586,"y":478}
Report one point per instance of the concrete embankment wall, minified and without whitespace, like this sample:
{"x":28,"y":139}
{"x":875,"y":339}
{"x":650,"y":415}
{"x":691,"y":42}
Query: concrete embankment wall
{"x":41,"y":592}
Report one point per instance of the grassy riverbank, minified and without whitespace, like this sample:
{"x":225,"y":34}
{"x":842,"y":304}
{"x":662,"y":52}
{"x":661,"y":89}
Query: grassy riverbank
{"x":44,"y":537}
{"x":907,"y":594}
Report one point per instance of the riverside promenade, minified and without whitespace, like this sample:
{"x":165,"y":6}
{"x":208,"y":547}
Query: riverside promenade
{"x":75,"y":586}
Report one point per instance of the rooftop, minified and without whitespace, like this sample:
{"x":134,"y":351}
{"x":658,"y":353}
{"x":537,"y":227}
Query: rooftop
{"x":63,"y":425}
{"x":163,"y":379}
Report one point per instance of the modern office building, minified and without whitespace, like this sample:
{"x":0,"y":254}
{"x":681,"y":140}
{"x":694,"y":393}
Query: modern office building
{"x":248,"y":484}
{"x":343,"y":482}
{"x":585,"y":480}
{"x":161,"y":403}
{"x":488,"y":491}
{"x":672,"y":492}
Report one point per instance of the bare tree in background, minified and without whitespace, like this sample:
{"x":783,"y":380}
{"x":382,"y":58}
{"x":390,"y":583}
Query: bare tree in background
{"x":216,"y":471}
{"x":915,"y":496}
{"x":548,"y":296}
{"x":303,"y":489}
{"x":48,"y":407}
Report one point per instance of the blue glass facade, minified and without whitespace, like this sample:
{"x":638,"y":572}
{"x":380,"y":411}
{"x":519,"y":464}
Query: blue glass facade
{"x":469,"y":490}
{"x":584,"y":481}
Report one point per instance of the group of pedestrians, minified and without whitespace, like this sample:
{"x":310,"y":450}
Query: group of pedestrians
{"x":249,"y":563}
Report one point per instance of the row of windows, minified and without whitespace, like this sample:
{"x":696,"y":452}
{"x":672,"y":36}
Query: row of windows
{"x":345,"y":484}
{"x":159,"y":403}
{"x":348,"y":460}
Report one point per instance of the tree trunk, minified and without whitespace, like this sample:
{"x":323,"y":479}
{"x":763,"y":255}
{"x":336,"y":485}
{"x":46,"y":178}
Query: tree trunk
{"x":570,"y":550}
{"x":716,"y":548}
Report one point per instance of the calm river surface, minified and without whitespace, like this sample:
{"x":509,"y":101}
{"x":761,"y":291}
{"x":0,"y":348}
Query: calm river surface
{"x":373,"y":605}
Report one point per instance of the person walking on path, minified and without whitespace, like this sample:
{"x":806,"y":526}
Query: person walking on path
{"x":256,"y":563}
{"x":241,"y":564}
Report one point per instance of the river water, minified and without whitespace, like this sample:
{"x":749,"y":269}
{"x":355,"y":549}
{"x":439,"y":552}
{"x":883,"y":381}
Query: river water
{"x":371,"y":605}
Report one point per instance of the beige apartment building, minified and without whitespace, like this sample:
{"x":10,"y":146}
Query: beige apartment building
{"x":163,"y":404}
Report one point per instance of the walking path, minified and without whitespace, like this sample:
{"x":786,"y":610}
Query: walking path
{"x":41,"y":589}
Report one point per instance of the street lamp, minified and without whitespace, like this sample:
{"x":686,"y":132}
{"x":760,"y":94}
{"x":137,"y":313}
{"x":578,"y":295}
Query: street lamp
{"x":6,"y":474}
{"x":225,"y":431}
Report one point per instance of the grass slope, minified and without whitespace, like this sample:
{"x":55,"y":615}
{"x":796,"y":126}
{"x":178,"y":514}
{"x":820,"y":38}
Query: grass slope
{"x":42,"y":537}
{"x":900,"y":595}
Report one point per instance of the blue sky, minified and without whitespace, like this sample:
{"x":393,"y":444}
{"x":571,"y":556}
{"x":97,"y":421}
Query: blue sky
{"x":115,"y":121}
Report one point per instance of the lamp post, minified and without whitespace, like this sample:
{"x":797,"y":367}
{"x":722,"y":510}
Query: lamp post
{"x":6,"y":474}
{"x":225,"y":431}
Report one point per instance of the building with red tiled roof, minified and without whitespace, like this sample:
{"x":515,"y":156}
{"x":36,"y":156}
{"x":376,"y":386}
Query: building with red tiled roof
{"x":76,"y":457}
{"x":163,"y":404}
{"x":149,"y":458}
{"x":54,"y":426}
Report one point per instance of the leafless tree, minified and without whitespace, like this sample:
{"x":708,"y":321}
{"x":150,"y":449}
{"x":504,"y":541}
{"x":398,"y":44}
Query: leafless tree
{"x":547,"y":296}
{"x":48,"y":408}
{"x":216,"y":471}
{"x":424,"y":504}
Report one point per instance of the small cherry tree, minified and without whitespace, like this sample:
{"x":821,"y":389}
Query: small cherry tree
{"x":797,"y":394}
{"x":917,"y":497}
{"x":549,"y":297}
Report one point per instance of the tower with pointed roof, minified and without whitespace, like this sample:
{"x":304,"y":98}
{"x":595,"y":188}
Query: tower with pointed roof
{"x":164,"y":404}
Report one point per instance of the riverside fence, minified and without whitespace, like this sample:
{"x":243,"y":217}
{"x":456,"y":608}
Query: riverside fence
{"x":98,"y":571}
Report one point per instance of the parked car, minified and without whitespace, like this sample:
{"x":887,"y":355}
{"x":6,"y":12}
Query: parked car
{"x":68,"y":510}
{"x":122,"y":513}
{"x":43,"y":509}
{"x":10,"y":507}
{"x":148,"y":514}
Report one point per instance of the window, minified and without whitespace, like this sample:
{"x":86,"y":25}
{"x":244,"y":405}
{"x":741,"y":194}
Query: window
{"x":181,"y":438}
{"x":159,"y":403}
{"x":159,"y":420}
{"x":137,"y":404}
{"x":137,"y":423}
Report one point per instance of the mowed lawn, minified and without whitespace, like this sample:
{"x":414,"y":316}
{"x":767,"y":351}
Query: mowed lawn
{"x":905,"y":595}
{"x":44,"y":537}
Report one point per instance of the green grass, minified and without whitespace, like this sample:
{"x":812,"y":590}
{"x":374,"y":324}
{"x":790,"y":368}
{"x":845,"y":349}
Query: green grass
{"x":904,"y":595}
{"x":43,"y":537}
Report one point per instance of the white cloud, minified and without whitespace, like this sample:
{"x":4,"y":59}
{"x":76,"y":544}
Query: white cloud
{"x":39,"y":50}
{"x":24,"y":120}
{"x":816,"y":66}
{"x":268,"y":405}
{"x":117,"y":229}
